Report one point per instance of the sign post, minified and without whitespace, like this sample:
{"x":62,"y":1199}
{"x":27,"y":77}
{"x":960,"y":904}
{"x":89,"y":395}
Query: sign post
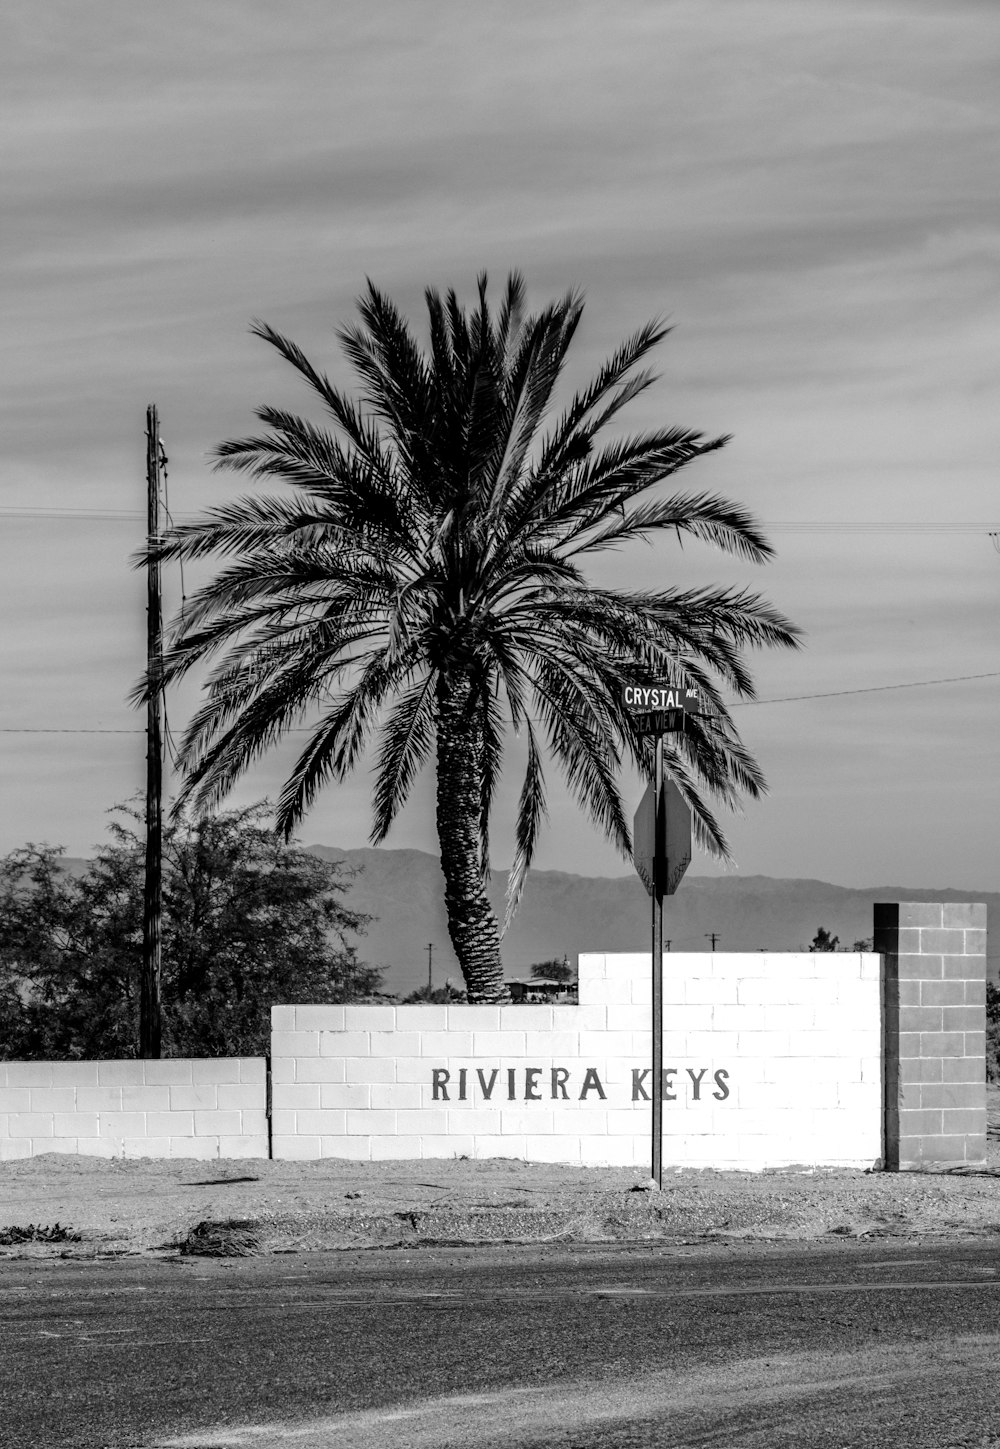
{"x":662,"y":848}
{"x":658,"y":874}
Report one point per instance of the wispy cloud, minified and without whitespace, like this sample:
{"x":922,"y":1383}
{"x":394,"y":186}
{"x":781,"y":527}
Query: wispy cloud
{"x":804,"y":186}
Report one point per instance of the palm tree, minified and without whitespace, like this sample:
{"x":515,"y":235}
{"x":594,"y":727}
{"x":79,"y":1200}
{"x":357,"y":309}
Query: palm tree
{"x":422,"y":587}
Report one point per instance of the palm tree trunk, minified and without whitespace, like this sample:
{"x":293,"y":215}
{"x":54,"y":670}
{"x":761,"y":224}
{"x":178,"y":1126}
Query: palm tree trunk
{"x":471,"y":922}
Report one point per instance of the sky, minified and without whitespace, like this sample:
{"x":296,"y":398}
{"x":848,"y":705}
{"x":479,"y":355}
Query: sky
{"x":805,"y":189}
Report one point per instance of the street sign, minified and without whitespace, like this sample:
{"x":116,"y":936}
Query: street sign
{"x":660,"y":708}
{"x":657,"y":698}
{"x":678,"y":842}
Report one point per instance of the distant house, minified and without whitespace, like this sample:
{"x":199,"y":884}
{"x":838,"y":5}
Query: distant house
{"x":535,"y":988}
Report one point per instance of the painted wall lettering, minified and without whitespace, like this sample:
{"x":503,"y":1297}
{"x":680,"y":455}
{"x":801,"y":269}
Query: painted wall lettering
{"x":565,"y":1084}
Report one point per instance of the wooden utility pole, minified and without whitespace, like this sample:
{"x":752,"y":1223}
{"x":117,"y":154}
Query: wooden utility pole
{"x":430,"y":962}
{"x":149,"y":992}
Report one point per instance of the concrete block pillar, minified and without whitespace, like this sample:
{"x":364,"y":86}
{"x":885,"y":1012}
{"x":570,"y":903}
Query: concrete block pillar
{"x":934,"y":1023}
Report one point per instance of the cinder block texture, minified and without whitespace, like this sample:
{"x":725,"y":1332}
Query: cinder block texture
{"x":933,"y":1003}
{"x":768,"y":1060}
{"x":204,"y":1107}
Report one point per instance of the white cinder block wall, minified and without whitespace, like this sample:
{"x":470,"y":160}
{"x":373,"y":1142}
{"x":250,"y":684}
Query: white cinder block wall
{"x":768,"y":1060}
{"x":174,"y":1108}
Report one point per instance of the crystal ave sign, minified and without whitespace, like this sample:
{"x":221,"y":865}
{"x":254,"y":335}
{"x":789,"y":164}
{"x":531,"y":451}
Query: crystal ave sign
{"x":651,"y":699}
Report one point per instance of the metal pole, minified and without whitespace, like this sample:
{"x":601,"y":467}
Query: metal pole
{"x":430,"y":958}
{"x":149,"y":988}
{"x":659,"y":870}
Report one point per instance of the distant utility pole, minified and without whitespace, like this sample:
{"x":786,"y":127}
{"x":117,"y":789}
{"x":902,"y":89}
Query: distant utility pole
{"x":149,"y":990}
{"x":430,"y":960}
{"x":712,"y":936}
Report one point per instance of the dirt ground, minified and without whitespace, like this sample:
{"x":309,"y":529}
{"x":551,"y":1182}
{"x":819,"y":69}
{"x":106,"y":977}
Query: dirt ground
{"x":115,"y":1207}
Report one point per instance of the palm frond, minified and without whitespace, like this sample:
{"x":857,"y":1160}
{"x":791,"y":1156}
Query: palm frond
{"x":405,"y":743}
{"x":705,"y":827}
{"x":339,"y":741}
{"x":704,"y":516}
{"x":532,"y":381}
{"x":362,"y":435}
{"x":618,"y":474}
{"x":395,"y":377}
{"x":588,"y":766}
{"x":307,"y":579}
{"x":531,"y":812}
{"x":241,"y":526}
{"x":509,"y":320}
{"x":571,"y":437}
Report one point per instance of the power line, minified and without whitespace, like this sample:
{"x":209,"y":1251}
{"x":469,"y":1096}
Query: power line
{"x":739,"y":704}
{"x":870,"y":689}
{"x":830,"y":525}
{"x":90,"y":515}
{"x":892,"y":526}
{"x":45,"y":730}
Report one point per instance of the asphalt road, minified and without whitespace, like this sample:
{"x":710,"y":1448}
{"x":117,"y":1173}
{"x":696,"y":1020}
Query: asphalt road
{"x":853,"y":1344}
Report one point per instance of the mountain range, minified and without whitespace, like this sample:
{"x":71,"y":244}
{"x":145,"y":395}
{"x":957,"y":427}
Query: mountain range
{"x":563,"y":915}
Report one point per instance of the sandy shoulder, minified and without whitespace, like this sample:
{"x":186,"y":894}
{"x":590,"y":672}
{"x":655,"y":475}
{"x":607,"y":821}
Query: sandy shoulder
{"x":143,"y":1205}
